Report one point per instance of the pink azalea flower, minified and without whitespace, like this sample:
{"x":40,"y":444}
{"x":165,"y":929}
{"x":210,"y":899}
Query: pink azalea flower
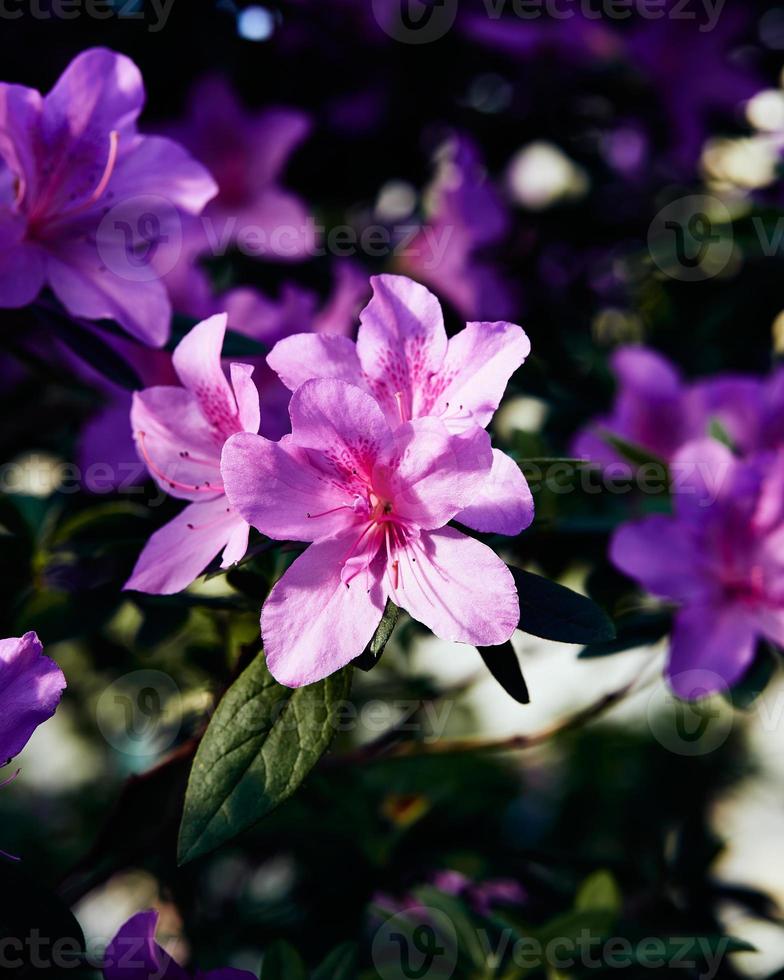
{"x":375,"y":504}
{"x":179,"y":433}
{"x":68,"y":158}
{"x":720,"y":557}
{"x":403,"y":358}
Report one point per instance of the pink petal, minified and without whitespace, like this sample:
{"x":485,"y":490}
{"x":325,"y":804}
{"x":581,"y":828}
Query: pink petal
{"x":236,"y":546}
{"x":703,"y":472}
{"x":88,"y":287}
{"x":430,"y":475}
{"x":313,"y":624}
{"x":31,"y":686}
{"x":711,"y":649}
{"x":479,"y":362}
{"x":177,"y":554}
{"x":504,"y":505}
{"x":180,"y":450}
{"x":343,"y":423}
{"x":306,"y":356}
{"x":458,"y":588}
{"x":197,"y":361}
{"x":401,"y":343}
{"x":277,"y":490}
{"x":247,"y":396}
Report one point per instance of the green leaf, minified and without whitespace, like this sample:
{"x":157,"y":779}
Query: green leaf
{"x":553,"y":612}
{"x":503,"y":664}
{"x":599,"y":892}
{"x":717,"y":431}
{"x":282,"y":962}
{"x":634,"y":630}
{"x":766,"y":659}
{"x":630,"y":451}
{"x":340,"y":964}
{"x":368,"y":659}
{"x":261,"y":743}
{"x":93,"y":350}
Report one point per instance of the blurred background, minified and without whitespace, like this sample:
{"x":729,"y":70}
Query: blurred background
{"x":517,"y":161}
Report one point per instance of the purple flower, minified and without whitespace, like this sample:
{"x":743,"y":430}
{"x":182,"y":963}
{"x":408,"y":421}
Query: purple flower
{"x":179,"y":433}
{"x":403,"y":358}
{"x":31,"y":686}
{"x":133,"y":954}
{"x":247,"y":153}
{"x":375,"y":503}
{"x":466,"y":217}
{"x":482,"y":896}
{"x":654,"y":409}
{"x":657,"y":410}
{"x":720,"y":557}
{"x":66,"y":160}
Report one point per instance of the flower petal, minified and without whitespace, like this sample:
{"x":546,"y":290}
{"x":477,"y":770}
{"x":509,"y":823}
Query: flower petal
{"x":31,"y":686}
{"x":247,"y":396}
{"x":181,"y":451}
{"x":177,"y":554}
{"x":277,"y":490}
{"x":429,"y":475}
{"x":197,"y":361}
{"x":313,"y":624}
{"x":711,"y":648}
{"x":660,"y":554}
{"x":479,"y":362}
{"x":133,"y":954}
{"x":504,"y":505}
{"x":306,"y":356}
{"x":458,"y":588}
{"x":161,"y":168}
{"x":401,"y":343}
{"x":344,"y":424}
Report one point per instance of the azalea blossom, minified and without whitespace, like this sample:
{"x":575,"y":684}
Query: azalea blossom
{"x":69,"y":158}
{"x":375,"y":503}
{"x":656,"y":409}
{"x":720,"y":557}
{"x":403,"y":358}
{"x":31,"y":686}
{"x":179,"y":433}
{"x":133,"y":954}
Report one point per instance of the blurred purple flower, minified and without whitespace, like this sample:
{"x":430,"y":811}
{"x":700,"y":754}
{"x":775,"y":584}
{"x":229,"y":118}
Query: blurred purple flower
{"x":720,"y":557}
{"x":133,"y":954}
{"x":246,"y":152}
{"x":482,"y":896}
{"x":180,"y":432}
{"x":66,"y":160}
{"x":466,"y":218}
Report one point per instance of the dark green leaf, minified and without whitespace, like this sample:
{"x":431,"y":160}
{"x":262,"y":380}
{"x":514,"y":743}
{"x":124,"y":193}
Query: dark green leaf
{"x":638,"y":455}
{"x":503,"y":664}
{"x":282,"y":962}
{"x":262,"y":742}
{"x":368,"y":659}
{"x":93,"y":350}
{"x":634,"y":630}
{"x":757,"y":677}
{"x":340,"y":964}
{"x":553,"y":612}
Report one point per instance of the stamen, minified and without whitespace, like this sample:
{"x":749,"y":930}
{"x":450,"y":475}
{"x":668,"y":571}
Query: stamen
{"x":209,"y":524}
{"x":100,"y":187}
{"x":399,"y":400}
{"x":175,"y":484}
